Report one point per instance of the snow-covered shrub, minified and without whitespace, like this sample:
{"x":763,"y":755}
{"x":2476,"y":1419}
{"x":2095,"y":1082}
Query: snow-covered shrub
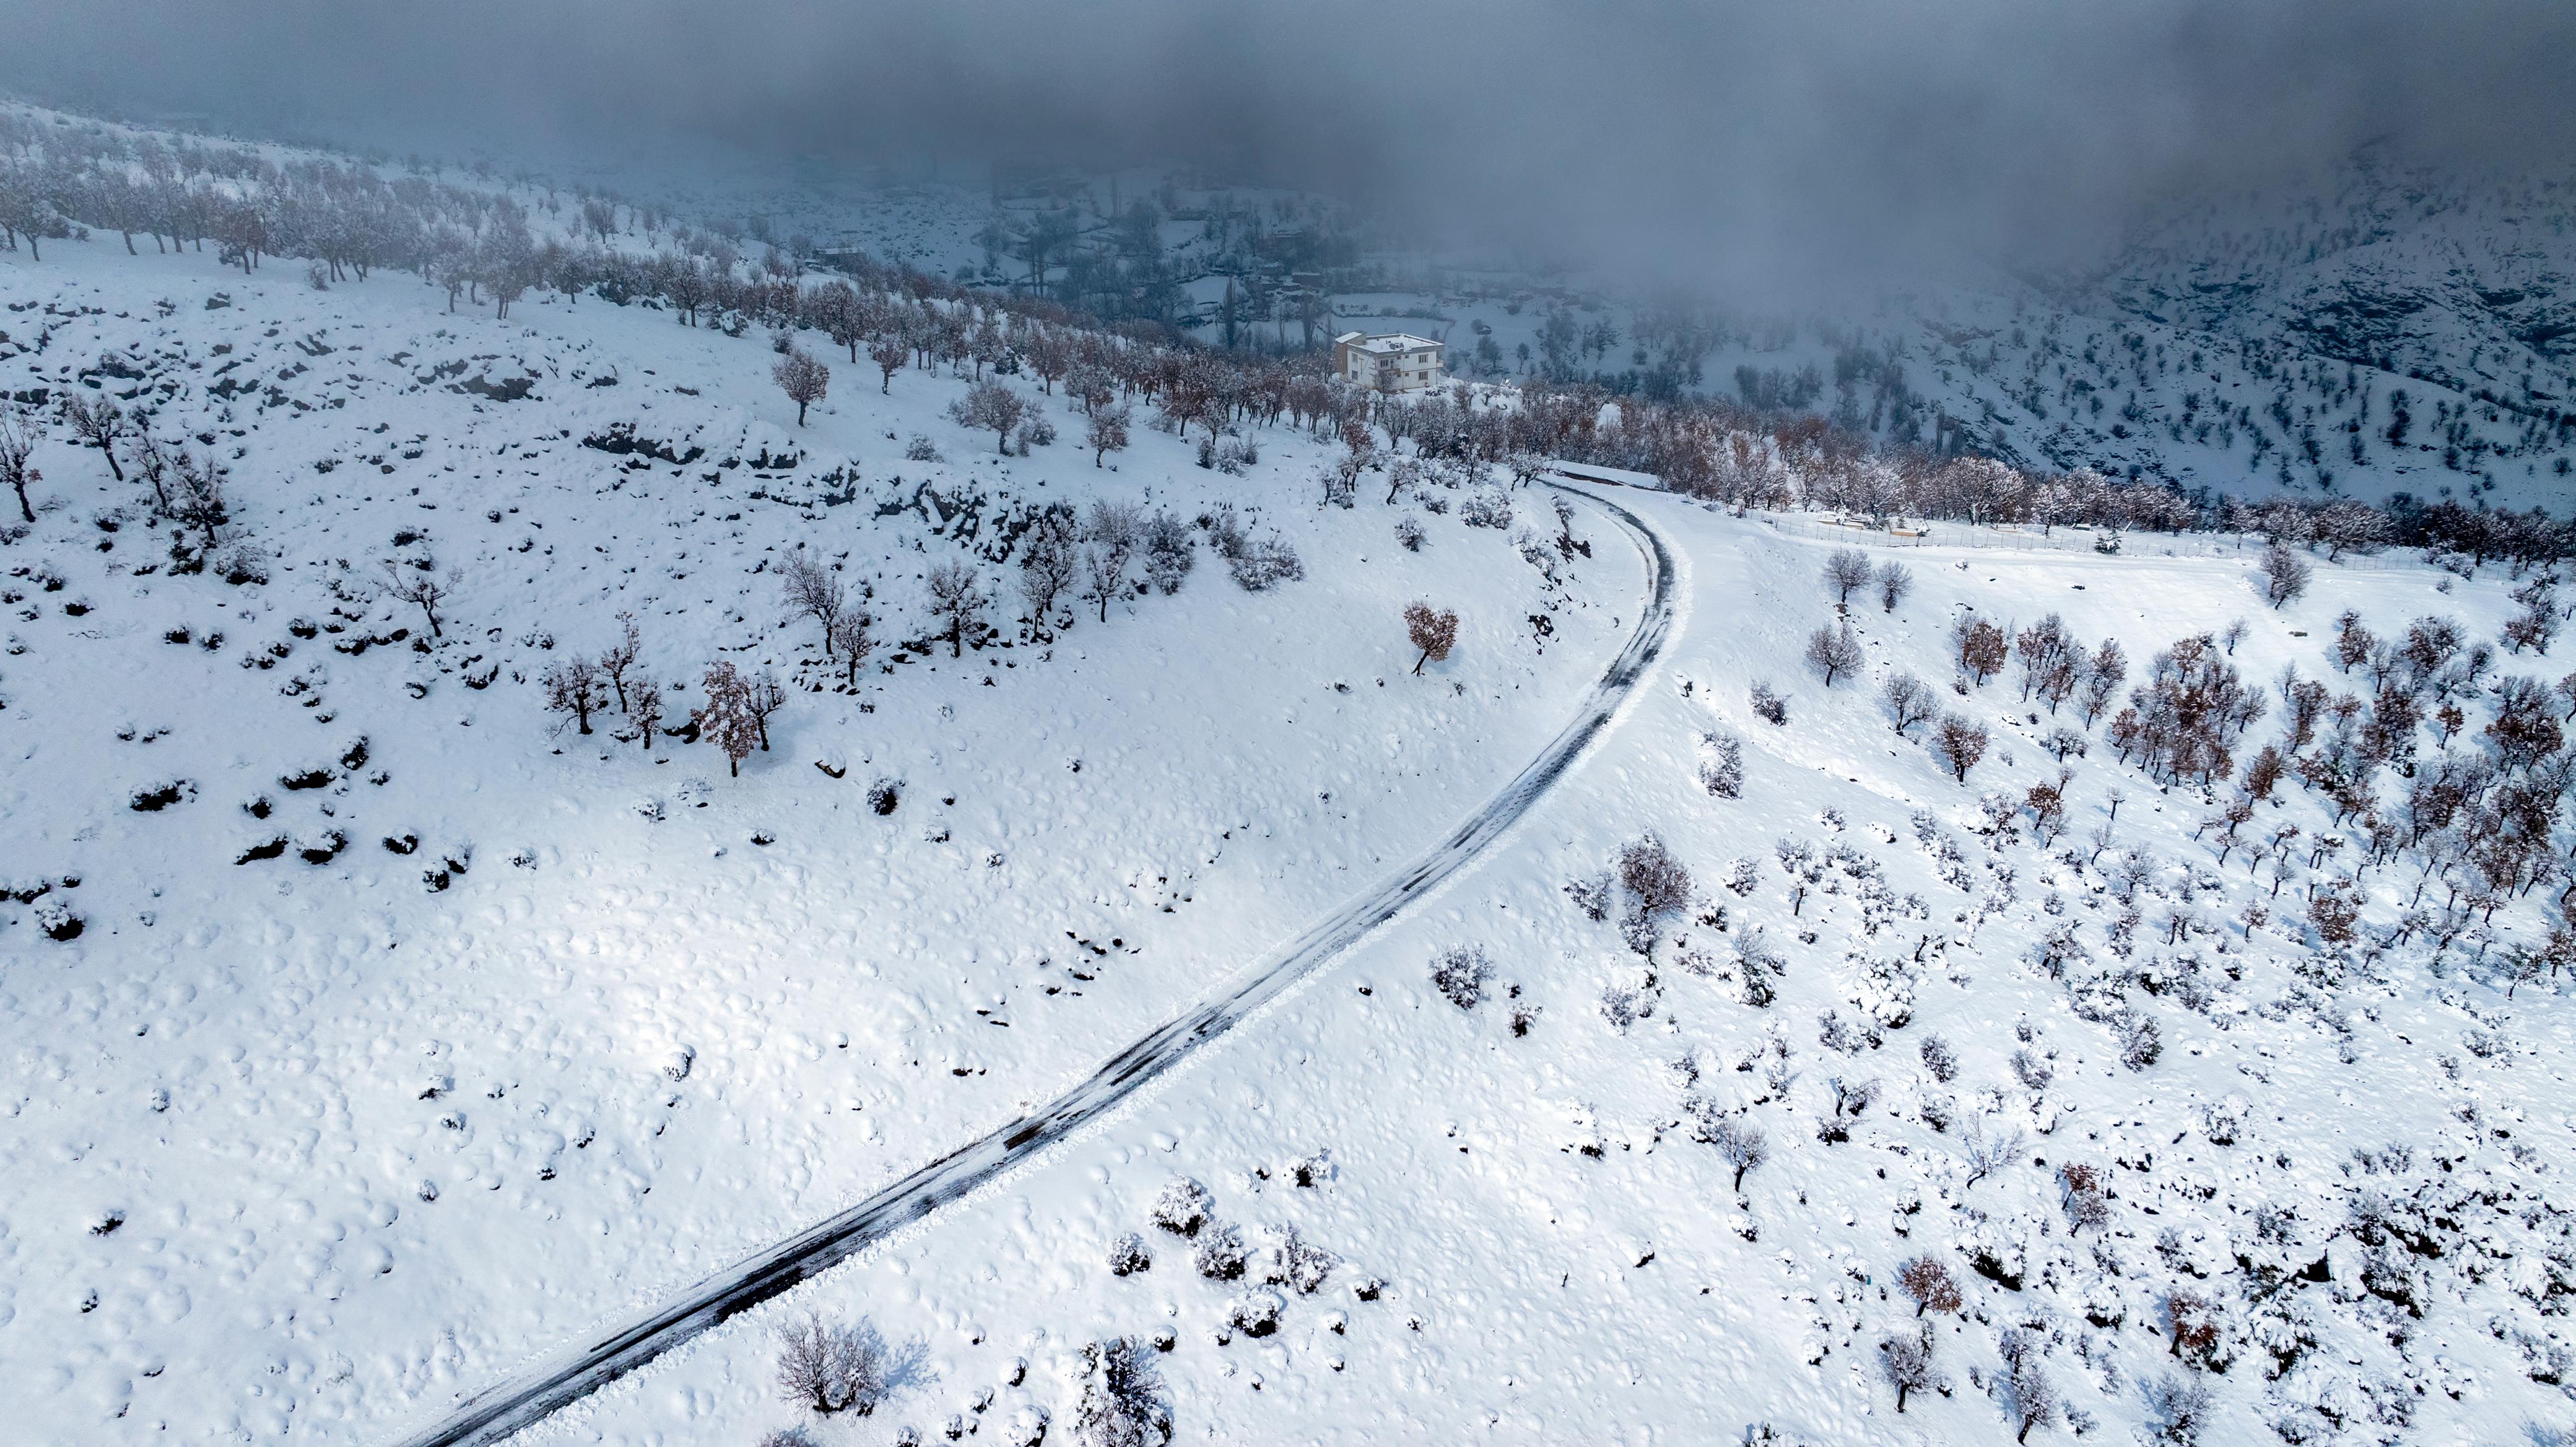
{"x":1295,"y":1262}
{"x":1264,"y":565}
{"x":1624,"y":1005}
{"x":1939,"y":1058}
{"x":1170,"y":552}
{"x":829,"y":1368}
{"x":1592,"y":896}
{"x":1485,"y":507}
{"x":920,"y":449}
{"x":1721,"y":764}
{"x":1408,"y":533}
{"x":1220,"y":1255}
{"x":1127,"y":1255}
{"x":1225,"y":532}
{"x":1836,"y":1033}
{"x":2034,"y":1072}
{"x":2142,"y":1040}
{"x":884,"y":795}
{"x":1460,"y":973}
{"x":1183,"y":1207}
{"x":1768,"y":705}
{"x":1255,"y":1313}
{"x":60,"y":922}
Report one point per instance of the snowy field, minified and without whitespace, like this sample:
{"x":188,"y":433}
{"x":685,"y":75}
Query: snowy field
{"x":305,"y":1147}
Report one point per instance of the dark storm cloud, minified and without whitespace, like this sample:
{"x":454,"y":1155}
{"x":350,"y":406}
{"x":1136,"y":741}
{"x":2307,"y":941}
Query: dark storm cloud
{"x":1732,"y":143}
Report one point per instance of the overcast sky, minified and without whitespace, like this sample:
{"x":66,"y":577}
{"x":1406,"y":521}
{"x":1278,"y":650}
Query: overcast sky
{"x":1735,"y":144}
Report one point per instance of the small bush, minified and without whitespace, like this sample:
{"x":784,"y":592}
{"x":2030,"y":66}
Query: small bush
{"x":1939,"y":1059}
{"x":1183,"y":1207}
{"x":1220,"y":1254}
{"x":1297,"y":1263}
{"x":1408,"y":533}
{"x":1264,"y":565}
{"x":884,"y":795}
{"x":920,"y":449}
{"x":1255,"y":1313}
{"x":1486,"y":507}
{"x":1127,"y":1256}
{"x":1721,"y":765}
{"x":1769,"y":706}
{"x":1461,"y":973}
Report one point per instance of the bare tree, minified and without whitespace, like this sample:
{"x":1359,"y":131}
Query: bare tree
{"x":1435,"y":633}
{"x":202,"y":504}
{"x":726,"y":721}
{"x":811,"y":589}
{"x":19,"y":433}
{"x":849,"y":632}
{"x":1907,"y":1363}
{"x":762,"y":697}
{"x":2034,"y":1397}
{"x":422,"y":584}
{"x":831,"y":1368}
{"x":957,"y":598}
{"x":1847,"y":571}
{"x":1833,"y":651}
{"x":1113,"y":532}
{"x":1909,"y":701}
{"x":2285,"y":574}
{"x":99,"y":423}
{"x":1740,"y":1144}
{"x":1960,"y":743}
{"x":989,"y":407}
{"x":1122,"y":1398}
{"x":1895,"y":580}
{"x":572,"y":687}
{"x":1049,"y":554}
{"x":804,"y":377}
{"x":1106,"y":434}
{"x":889,"y":350}
{"x":644,"y":706}
{"x":1931,"y":1284}
{"x":1983,"y":647}
{"x":617,"y":661}
{"x":153,"y":466}
{"x":1988,"y":1154}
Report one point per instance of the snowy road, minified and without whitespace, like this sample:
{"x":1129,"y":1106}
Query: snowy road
{"x":509,"y":1406}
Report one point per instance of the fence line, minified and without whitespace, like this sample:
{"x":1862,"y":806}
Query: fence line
{"x":2067,"y":539}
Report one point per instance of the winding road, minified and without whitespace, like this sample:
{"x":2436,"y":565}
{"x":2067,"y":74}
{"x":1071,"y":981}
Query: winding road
{"x":587,"y":1365}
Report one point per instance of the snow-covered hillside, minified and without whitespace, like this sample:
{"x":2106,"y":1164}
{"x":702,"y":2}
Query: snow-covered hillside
{"x":406,"y":1029}
{"x":2080,"y":1076}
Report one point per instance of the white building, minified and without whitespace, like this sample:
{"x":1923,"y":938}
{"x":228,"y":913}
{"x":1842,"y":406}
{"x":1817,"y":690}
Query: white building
{"x":1393,"y":362}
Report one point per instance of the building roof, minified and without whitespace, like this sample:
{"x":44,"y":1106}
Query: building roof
{"x":1386,"y":344}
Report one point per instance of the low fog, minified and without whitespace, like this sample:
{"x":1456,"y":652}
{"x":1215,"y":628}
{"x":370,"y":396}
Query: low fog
{"x":1735,"y":145}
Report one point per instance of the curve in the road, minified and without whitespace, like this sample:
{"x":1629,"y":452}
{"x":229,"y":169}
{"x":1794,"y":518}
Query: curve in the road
{"x":509,"y":1406}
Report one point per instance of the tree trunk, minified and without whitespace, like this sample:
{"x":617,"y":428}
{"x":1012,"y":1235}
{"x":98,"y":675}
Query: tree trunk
{"x":800,"y":414}
{"x":129,"y":245}
{"x":1900,"y":1398}
{"x":1425,"y":658}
